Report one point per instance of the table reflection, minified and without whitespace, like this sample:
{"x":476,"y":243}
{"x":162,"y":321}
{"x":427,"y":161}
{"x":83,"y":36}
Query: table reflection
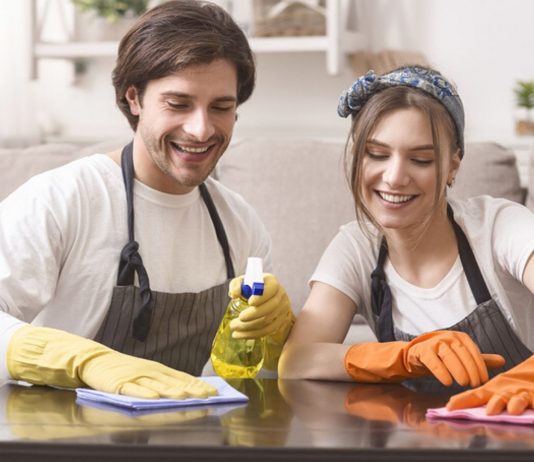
{"x":390,"y":416}
{"x":42,"y":413}
{"x":264,"y":421}
{"x":282,"y":414}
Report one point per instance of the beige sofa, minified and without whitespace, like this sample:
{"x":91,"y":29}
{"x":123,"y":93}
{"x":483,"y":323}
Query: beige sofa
{"x":298,"y":188}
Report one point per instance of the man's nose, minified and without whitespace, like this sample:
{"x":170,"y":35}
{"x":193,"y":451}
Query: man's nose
{"x":199,"y":125}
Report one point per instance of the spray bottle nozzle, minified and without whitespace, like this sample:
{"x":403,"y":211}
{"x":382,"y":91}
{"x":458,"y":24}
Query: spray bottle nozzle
{"x":253,"y":281}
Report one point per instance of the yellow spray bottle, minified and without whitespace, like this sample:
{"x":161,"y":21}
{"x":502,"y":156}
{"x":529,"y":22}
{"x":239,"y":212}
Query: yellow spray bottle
{"x":239,"y":358}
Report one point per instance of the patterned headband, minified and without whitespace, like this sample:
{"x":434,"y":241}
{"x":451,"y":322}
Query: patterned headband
{"x":427,"y":80}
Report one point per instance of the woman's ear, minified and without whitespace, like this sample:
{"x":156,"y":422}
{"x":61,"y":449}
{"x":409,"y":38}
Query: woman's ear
{"x":454,"y":166}
{"x":132,"y":96}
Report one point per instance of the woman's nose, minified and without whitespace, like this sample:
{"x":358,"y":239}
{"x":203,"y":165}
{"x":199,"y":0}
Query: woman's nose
{"x":396,"y":173}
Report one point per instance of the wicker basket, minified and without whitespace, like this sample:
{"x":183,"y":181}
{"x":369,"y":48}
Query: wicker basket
{"x":297,"y":19}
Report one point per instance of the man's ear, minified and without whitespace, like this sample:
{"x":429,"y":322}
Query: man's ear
{"x":132,"y":96}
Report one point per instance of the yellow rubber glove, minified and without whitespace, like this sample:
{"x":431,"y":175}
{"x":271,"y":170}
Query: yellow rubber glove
{"x":447,"y":355}
{"x":269,"y":316}
{"x":45,"y":356}
{"x":512,"y":390}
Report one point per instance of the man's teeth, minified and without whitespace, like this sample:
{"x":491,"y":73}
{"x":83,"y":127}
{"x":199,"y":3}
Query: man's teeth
{"x":191,"y":149}
{"x":395,"y":198}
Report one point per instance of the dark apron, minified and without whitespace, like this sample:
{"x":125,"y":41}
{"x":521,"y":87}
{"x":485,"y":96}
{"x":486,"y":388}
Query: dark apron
{"x":174,"y":329}
{"x":486,"y":324}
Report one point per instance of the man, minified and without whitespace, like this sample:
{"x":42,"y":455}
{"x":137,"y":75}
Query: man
{"x":76,"y":265}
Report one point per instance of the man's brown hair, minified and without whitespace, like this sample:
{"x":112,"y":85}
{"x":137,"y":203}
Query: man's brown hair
{"x":174,"y":35}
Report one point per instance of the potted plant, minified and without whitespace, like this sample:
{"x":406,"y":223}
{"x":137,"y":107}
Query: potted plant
{"x":113,"y":10}
{"x":106,"y":19}
{"x":524,"y":93}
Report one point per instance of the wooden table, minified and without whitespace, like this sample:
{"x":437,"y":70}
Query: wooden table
{"x":284,"y":420}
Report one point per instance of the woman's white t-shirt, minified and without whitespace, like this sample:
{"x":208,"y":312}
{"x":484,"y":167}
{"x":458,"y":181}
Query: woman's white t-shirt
{"x":501,"y":235}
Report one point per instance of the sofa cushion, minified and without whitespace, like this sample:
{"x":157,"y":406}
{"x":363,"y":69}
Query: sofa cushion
{"x":299,"y":190}
{"x":19,"y":165}
{"x":488,"y":168}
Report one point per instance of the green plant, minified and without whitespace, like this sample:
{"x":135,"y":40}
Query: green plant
{"x":112,"y":10}
{"x":524,"y":93}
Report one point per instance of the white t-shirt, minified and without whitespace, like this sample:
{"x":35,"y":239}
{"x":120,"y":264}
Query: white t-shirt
{"x":61,"y":235}
{"x":501,"y":235}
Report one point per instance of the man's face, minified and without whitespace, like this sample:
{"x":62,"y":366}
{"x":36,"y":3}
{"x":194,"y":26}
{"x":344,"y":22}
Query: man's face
{"x":185,"y":124}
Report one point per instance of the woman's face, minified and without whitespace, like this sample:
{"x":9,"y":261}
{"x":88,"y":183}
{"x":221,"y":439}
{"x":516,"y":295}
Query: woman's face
{"x":399,"y":171}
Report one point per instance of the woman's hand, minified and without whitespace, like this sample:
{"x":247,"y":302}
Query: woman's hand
{"x":512,"y":391}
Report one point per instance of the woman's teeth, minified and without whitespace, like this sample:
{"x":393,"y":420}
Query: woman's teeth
{"x":395,"y":198}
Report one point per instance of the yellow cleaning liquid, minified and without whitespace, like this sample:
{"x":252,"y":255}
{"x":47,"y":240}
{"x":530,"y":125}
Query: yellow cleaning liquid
{"x":235,"y":358}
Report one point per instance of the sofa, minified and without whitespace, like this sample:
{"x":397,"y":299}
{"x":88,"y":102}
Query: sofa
{"x":299,"y":188}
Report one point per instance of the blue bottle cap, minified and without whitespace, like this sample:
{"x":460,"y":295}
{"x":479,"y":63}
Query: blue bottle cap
{"x":257,"y":288}
{"x":246,"y":290}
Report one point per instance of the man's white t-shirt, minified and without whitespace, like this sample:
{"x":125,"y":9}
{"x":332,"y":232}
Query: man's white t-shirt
{"x":62,"y":232}
{"x":501,"y":235}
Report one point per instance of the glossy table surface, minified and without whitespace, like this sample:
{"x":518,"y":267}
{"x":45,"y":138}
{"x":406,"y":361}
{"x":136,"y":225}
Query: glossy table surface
{"x":284,"y":420}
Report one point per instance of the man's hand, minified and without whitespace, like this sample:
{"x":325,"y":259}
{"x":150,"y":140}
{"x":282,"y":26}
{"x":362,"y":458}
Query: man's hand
{"x":45,"y":356}
{"x":267,"y":315}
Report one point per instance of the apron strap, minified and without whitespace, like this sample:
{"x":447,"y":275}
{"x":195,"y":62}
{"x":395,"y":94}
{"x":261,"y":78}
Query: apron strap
{"x":472,"y":271}
{"x":219,"y":229}
{"x":381,"y":298}
{"x":130,"y":259}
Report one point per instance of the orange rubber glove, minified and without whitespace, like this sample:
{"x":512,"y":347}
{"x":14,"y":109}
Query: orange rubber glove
{"x":447,"y":355}
{"x":512,"y":390}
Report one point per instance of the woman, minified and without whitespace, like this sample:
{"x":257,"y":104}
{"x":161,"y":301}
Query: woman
{"x":445,"y":285}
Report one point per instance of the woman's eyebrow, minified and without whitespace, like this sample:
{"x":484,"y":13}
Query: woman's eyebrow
{"x":422,"y":147}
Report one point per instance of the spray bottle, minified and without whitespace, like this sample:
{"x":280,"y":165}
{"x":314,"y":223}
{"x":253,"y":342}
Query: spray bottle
{"x":239,"y":358}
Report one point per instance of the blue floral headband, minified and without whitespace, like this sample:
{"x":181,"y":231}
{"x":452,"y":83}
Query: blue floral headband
{"x":427,"y":80}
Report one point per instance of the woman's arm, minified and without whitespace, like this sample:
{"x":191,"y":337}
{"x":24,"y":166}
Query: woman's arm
{"x":314,"y":349}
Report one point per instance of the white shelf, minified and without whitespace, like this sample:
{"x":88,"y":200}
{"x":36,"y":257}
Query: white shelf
{"x":76,"y":50}
{"x":301,"y":44}
{"x":337,"y":42}
{"x":73,"y":50}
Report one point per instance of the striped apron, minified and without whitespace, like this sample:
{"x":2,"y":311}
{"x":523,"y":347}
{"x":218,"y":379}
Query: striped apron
{"x":174,"y":329}
{"x":486,"y":324}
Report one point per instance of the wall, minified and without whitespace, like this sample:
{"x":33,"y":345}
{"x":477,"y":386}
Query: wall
{"x":484,"y":45}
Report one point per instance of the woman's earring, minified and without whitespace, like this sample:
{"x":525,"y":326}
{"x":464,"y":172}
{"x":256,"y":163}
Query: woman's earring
{"x":450,"y":183}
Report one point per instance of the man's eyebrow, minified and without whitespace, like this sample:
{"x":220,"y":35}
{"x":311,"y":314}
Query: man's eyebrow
{"x":178,"y":94}
{"x":423,"y":147}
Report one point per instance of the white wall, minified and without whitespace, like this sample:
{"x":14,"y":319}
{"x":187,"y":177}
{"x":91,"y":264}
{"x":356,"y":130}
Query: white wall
{"x":16,"y":105}
{"x":483,"y":45}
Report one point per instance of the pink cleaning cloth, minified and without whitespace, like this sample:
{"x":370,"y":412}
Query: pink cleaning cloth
{"x":479,"y":413}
